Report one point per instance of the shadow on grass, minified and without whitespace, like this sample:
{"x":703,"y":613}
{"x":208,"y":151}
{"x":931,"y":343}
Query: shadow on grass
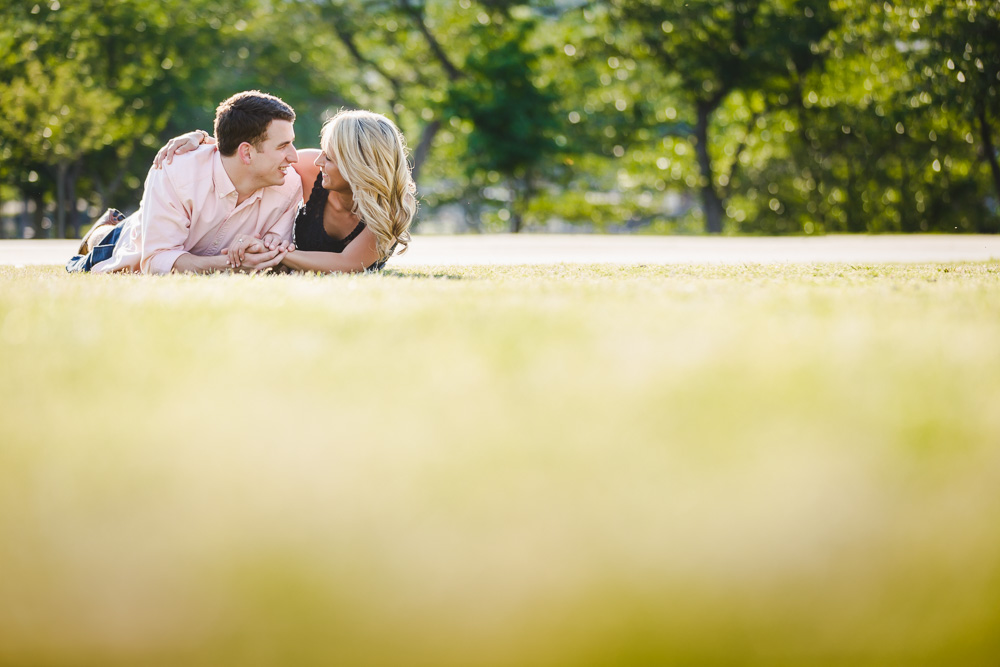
{"x":394,"y":273}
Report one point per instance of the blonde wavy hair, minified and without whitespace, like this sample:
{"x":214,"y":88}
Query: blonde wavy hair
{"x":371,"y":154}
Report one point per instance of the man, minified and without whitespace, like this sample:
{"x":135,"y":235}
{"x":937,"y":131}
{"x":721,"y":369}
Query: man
{"x":195,"y":208}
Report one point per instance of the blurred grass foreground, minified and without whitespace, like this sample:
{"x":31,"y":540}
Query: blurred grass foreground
{"x":746,"y":465}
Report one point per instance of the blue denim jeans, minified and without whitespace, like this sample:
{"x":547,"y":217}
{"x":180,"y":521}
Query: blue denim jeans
{"x":97,"y":254}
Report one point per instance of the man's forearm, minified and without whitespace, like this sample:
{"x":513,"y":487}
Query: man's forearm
{"x":188,"y":263}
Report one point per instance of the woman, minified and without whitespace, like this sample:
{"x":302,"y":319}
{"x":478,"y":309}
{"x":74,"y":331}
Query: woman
{"x":359,"y":197}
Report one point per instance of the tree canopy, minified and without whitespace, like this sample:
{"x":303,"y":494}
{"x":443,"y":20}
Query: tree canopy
{"x":667,"y":116}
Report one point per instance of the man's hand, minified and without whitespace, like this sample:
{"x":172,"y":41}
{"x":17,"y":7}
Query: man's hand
{"x":237,"y":251}
{"x":255,"y":260}
{"x":272,"y":241}
{"x":250,"y":255}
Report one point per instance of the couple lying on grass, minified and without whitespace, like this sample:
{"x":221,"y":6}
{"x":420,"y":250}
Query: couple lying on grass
{"x":226,"y":204}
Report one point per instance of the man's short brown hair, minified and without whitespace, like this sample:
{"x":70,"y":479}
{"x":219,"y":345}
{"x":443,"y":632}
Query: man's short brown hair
{"x":245,"y":117}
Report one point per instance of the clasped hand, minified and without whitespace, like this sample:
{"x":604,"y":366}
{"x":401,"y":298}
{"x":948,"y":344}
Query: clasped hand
{"x":252,"y":254}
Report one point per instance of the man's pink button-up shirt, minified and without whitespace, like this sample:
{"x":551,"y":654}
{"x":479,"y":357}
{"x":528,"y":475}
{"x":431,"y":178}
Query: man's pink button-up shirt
{"x":190,"y":206}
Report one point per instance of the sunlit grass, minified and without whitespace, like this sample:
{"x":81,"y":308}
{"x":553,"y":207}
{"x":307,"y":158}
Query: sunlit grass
{"x":502,"y":466}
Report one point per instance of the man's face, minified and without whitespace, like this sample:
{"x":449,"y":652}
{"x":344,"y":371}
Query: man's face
{"x":276,"y":154}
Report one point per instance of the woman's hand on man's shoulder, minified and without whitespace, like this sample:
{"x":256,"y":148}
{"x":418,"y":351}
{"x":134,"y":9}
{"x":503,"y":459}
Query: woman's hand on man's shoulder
{"x":179,"y":145}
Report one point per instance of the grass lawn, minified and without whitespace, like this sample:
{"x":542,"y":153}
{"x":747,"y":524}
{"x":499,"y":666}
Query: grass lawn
{"x":548,"y":465}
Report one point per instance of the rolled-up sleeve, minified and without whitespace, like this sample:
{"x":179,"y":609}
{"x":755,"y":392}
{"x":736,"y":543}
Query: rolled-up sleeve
{"x":165,"y":223}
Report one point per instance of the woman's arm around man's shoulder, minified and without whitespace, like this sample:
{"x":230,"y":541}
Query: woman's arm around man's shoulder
{"x":307,"y":169}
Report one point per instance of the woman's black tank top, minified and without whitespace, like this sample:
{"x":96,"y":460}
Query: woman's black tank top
{"x":309,"y":232}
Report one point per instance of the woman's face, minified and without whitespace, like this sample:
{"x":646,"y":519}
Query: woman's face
{"x":332,"y":179}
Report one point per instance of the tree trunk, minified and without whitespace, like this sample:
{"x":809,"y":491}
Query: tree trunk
{"x":423,"y":148}
{"x":524,"y":190}
{"x":516,"y":221}
{"x":72,"y":177}
{"x":853,"y":220}
{"x":711,"y":202}
{"x":473,"y":210}
{"x":60,"y":220}
{"x":24,"y":219}
{"x":989,"y":152}
{"x":108,"y":190}
{"x":38,"y":215}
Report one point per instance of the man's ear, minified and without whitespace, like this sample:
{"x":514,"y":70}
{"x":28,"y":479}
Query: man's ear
{"x":243,"y":150}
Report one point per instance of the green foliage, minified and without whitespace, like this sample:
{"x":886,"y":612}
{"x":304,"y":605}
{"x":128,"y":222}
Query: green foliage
{"x":873,"y":147}
{"x":90,"y":84}
{"x":74,"y":120}
{"x":750,"y":116}
{"x":720,"y":48}
{"x":512,"y":119}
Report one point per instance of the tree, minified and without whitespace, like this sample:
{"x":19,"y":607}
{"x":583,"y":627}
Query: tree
{"x":879,"y":146}
{"x":82,"y":96}
{"x":75,"y":121}
{"x":708,"y":50}
{"x":513,"y":121}
{"x":955,"y":44}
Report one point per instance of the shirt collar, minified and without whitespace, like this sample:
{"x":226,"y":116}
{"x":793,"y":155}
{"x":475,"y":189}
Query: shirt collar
{"x":223,"y":184}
